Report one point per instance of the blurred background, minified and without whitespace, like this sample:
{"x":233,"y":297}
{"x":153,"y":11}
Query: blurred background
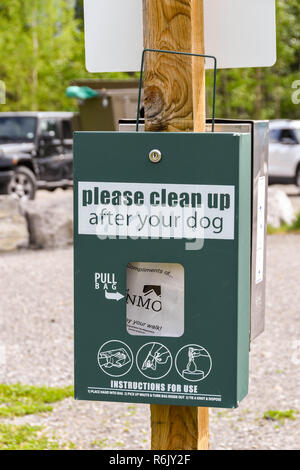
{"x":45,"y":93}
{"x":42,"y":51}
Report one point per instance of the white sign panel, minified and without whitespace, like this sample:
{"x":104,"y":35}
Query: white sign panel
{"x":113,"y":35}
{"x":239,"y":33}
{"x":144,"y":210}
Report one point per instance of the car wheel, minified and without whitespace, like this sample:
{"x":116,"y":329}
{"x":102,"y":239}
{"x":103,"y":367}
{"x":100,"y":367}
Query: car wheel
{"x":22,"y":184}
{"x":298,"y":177}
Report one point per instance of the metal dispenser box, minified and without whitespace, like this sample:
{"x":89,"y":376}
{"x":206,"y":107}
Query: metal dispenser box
{"x":181,"y":200}
{"x":259,"y":131}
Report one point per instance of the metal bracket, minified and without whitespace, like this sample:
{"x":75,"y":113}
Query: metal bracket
{"x":178,"y":53}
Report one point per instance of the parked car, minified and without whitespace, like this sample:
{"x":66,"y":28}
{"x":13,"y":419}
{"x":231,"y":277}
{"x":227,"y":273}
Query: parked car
{"x":284,"y":155}
{"x":36,"y":151}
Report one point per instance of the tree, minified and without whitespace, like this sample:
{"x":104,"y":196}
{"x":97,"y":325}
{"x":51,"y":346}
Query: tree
{"x":265,"y":93}
{"x":41,"y":49}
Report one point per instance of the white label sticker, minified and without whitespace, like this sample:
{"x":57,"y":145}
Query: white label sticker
{"x":261,"y":198}
{"x":146,"y":210}
{"x":155,"y":299}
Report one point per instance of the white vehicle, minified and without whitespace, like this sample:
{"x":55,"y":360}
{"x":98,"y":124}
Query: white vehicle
{"x":284,"y":154}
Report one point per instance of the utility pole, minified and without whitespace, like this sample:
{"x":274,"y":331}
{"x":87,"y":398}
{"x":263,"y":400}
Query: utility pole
{"x":174,"y":90}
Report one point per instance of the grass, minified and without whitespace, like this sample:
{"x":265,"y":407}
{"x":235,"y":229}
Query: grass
{"x":101,"y":444}
{"x":21,"y":400}
{"x":131,"y":410}
{"x":24,"y":437}
{"x":27,"y":437}
{"x":284,"y":228}
{"x":281,"y":416}
{"x":119,"y":444}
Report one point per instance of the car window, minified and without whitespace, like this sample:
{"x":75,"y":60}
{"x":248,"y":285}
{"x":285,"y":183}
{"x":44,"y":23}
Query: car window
{"x":274,"y":136}
{"x":297,"y":134}
{"x":287,"y":134}
{"x":67,"y":129}
{"x":17,"y":128}
{"x":50,"y":125}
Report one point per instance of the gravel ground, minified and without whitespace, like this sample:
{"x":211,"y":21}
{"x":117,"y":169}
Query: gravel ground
{"x":36,"y":347}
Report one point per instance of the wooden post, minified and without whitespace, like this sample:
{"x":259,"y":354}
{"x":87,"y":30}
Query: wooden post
{"x":174,"y":90}
{"x":198,"y":65}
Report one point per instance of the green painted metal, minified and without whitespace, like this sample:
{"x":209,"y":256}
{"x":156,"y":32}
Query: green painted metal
{"x":82,"y":92}
{"x":217,"y":276}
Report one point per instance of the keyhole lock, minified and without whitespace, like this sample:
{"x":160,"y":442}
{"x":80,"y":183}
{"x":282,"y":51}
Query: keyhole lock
{"x":155,"y":156}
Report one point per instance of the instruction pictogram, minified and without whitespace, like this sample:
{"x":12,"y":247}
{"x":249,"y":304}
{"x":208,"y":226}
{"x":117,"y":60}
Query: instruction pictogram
{"x":154,"y":360}
{"x":115,"y":358}
{"x":193,"y":362}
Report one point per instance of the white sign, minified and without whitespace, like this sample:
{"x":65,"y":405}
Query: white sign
{"x":113,"y":35}
{"x":146,"y":210}
{"x":239,"y":33}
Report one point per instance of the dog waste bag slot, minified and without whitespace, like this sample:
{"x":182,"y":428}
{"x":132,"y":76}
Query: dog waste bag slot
{"x":155,"y":299}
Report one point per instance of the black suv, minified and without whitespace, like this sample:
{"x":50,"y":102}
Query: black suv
{"x":36,"y":151}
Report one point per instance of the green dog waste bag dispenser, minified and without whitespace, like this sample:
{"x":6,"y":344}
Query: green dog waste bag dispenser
{"x":162,"y":232}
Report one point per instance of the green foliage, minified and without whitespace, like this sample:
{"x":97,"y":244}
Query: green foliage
{"x":265,"y":93}
{"x":24,"y":438}
{"x":20,"y":400}
{"x":284,"y":228}
{"x":42,"y":50}
{"x":276,"y":415}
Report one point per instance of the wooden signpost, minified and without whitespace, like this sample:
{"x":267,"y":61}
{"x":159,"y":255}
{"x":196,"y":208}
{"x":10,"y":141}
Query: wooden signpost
{"x":174,"y":99}
{"x":174,"y":90}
